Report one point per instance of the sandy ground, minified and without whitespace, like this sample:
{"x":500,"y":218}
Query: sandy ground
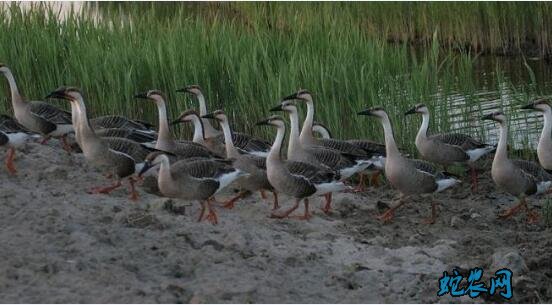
{"x":60,"y":244}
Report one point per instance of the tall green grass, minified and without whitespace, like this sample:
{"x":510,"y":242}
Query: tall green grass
{"x":248,"y":56}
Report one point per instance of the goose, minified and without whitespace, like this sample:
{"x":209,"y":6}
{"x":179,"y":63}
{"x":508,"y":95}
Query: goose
{"x":299,"y":180}
{"x":38,"y":116}
{"x":250,"y":163}
{"x":12,"y":136}
{"x":165,"y":141}
{"x":376,"y":150}
{"x":345,"y":164}
{"x":406,"y":175}
{"x":199,"y":137}
{"x":119,"y":157}
{"x":544,"y":148}
{"x":448,"y":148}
{"x":196,"y":180}
{"x":215,"y":138}
{"x":520,"y":178}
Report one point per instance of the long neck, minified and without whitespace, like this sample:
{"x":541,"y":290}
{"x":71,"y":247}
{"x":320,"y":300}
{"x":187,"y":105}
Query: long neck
{"x":199,"y":133}
{"x":274,"y":154}
{"x":210,"y":131}
{"x":164,"y":138}
{"x":390,"y":145}
{"x":502,"y":148}
{"x":230,"y":149}
{"x":294,"y":143}
{"x":306,"y":133}
{"x":422,"y":133}
{"x":15,"y":95}
{"x":164,"y":171}
{"x":546,"y":133}
{"x":83,"y":131}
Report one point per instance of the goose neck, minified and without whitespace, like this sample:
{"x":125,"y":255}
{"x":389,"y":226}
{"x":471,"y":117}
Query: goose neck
{"x":306,"y":136}
{"x":17,"y":100}
{"x":390,"y":145}
{"x":199,"y":131}
{"x":502,"y":147}
{"x":209,"y":130}
{"x":294,"y":143}
{"x":274,"y":154}
{"x":164,"y":139}
{"x":545,"y":137}
{"x":228,"y":143}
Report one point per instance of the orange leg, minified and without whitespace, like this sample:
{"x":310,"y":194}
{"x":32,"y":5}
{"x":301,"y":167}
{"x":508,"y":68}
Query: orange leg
{"x":473,"y":179}
{"x":360,"y":187}
{"x":105,"y":190}
{"x":328,"y":206}
{"x":289,"y":211}
{"x":203,"y":203}
{"x":275,"y":205}
{"x":532,"y":216}
{"x":306,"y":215}
{"x":9,"y":161}
{"x":212,"y":215}
{"x":374,"y":179}
{"x":66,"y":145}
{"x":133,"y":192}
{"x":389,"y":214}
{"x":433,"y":217}
{"x":230,"y":203}
{"x":263,"y":195}
{"x":513,"y":210}
{"x":45,"y":140}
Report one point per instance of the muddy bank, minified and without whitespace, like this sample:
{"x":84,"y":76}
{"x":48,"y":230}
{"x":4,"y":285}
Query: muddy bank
{"x":61,"y":244}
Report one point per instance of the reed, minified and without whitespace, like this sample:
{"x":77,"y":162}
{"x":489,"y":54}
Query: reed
{"x":246,"y":56}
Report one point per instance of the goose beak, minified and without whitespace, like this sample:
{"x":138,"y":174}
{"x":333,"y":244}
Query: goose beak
{"x":365,"y":112}
{"x":209,"y":116}
{"x":276,"y":108}
{"x":175,"y":122}
{"x":411,"y":111}
{"x":56,"y":94}
{"x":262,"y":123}
{"x":528,"y":107}
{"x":184,"y":90}
{"x":290,"y":97}
{"x":142,"y":95}
{"x":488,"y":117}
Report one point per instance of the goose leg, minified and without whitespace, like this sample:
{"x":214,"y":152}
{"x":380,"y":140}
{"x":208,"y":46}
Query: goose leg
{"x":433,"y":217}
{"x":9,"y":161}
{"x":307,"y":215}
{"x":532,"y":216}
{"x":133,"y":192}
{"x":105,"y":190}
{"x":275,"y":205}
{"x":65,"y":145}
{"x":328,"y":206}
{"x":263,"y":194}
{"x":374,"y":179}
{"x":286,"y":213}
{"x":473,"y":178}
{"x":230,"y":203}
{"x":45,"y":140}
{"x":390,"y":213}
{"x":513,"y":210}
{"x":360,"y":187}
{"x":203,"y":203}
{"x":212,"y":215}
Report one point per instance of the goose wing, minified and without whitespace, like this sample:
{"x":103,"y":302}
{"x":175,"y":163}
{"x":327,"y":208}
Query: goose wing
{"x":117,"y":121}
{"x":135,"y":150}
{"x":312,"y":173}
{"x":533,"y":170}
{"x":190,"y":149}
{"x":343,"y":146}
{"x":247,"y":142}
{"x":329,"y":157}
{"x":50,"y":113}
{"x":370,"y":147}
{"x":464,"y":141}
{"x":10,"y":125}
{"x":131,"y":134}
{"x":205,"y":168}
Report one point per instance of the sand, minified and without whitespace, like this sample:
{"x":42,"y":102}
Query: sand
{"x":60,"y":244}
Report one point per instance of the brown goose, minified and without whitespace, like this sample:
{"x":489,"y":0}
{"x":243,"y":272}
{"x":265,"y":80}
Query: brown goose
{"x":12,"y":136}
{"x":252,"y":164}
{"x":165,"y":141}
{"x":192,"y":180}
{"x":374,"y":149}
{"x":544,"y":148}
{"x":119,"y":157}
{"x":215,"y":138}
{"x":519,"y":178}
{"x":38,"y":116}
{"x":407,"y":176}
{"x":299,"y":180}
{"x":448,"y":148}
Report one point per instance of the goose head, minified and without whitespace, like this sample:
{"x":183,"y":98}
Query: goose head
{"x":419,"y":108}
{"x":156,"y":96}
{"x":217,"y":115}
{"x":71,"y":94}
{"x":286,"y":106}
{"x":153,"y":159}
{"x":301,"y":95}
{"x":275,"y":121}
{"x":377,"y":112}
{"x":496,"y":116}
{"x":186,"y":116}
{"x":4,"y":68}
{"x":322,"y":130}
{"x":540,"y":105}
{"x":191,"y":89}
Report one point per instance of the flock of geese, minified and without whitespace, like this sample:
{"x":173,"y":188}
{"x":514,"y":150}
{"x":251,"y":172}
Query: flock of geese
{"x":312,"y":166}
